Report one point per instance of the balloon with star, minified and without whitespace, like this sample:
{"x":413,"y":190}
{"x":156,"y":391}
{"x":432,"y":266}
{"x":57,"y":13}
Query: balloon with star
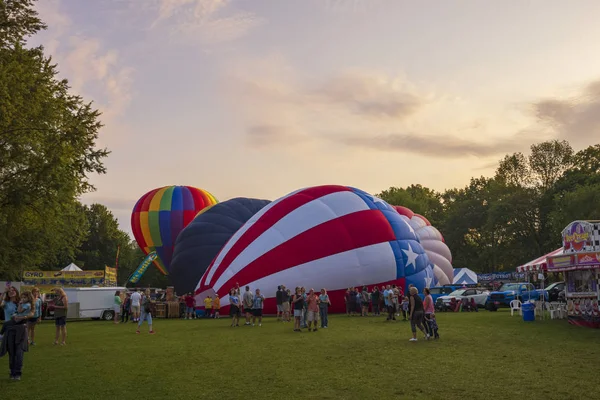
{"x":332,"y":237}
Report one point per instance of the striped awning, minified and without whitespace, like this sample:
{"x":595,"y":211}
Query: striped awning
{"x":540,"y":263}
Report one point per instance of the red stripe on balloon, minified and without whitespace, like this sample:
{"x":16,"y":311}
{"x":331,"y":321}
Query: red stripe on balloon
{"x":332,"y":237}
{"x":269,"y":218}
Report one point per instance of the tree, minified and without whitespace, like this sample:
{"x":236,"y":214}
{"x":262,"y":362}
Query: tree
{"x":581,"y":204}
{"x":47,"y":149}
{"x":418,"y":198}
{"x":548,"y":162}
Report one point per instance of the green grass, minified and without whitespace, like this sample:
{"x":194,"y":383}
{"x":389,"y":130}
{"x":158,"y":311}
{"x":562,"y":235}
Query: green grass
{"x":480,"y":355}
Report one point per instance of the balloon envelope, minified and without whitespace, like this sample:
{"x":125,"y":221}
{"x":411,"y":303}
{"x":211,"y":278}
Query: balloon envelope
{"x":161,"y":214}
{"x":199,"y":243}
{"x":331,"y":237}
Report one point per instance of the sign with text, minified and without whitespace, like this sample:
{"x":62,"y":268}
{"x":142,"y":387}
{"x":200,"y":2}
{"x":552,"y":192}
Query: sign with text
{"x":577,"y":235}
{"x":64,"y":278}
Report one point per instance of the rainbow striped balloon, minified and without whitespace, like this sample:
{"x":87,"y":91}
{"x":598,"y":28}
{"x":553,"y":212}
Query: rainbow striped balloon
{"x":161,"y":214}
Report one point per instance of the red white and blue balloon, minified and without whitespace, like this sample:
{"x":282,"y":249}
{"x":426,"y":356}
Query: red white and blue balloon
{"x":332,"y":237}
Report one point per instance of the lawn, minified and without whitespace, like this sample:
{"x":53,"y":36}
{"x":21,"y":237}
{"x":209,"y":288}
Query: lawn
{"x":480,"y":355}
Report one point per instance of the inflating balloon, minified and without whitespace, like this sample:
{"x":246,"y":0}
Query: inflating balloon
{"x":161,"y":214}
{"x":331,"y":237}
{"x":200,"y":242}
{"x":433,"y":242}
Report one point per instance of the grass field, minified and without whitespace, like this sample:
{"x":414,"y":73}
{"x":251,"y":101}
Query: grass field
{"x":480,"y":355}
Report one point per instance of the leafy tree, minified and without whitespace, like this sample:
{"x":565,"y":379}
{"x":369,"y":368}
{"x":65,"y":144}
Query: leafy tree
{"x":47,"y":150}
{"x":419,"y":199}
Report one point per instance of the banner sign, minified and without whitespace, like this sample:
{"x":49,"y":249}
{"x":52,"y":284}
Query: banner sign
{"x":500,"y":276}
{"x":576,"y":235}
{"x":64,"y":278}
{"x":560,"y":262}
{"x":588,"y":258}
{"x":135,"y":277}
{"x":110,"y":276}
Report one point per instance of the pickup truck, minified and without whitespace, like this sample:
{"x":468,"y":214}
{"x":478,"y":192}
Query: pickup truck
{"x":513,"y":291}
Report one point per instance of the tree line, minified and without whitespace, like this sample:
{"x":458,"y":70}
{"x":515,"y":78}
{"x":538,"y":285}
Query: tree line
{"x":48,"y":152}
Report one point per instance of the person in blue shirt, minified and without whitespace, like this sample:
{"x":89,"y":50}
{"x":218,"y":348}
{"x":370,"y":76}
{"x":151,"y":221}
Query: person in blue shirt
{"x":37,"y":314}
{"x":10,"y":302}
{"x":24,"y":312}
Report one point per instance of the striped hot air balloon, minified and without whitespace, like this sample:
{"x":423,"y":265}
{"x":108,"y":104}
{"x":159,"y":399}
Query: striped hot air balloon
{"x":331,"y":237}
{"x":161,"y":214}
{"x":433,"y":242}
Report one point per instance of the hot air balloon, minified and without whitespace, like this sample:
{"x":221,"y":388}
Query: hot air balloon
{"x":433,"y":242}
{"x":200,"y":242}
{"x":161,"y":214}
{"x":331,"y":237}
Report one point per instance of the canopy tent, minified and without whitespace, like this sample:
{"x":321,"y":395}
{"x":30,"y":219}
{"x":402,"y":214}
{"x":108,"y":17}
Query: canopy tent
{"x":540,"y":263}
{"x":71,"y":267}
{"x":464,"y":276}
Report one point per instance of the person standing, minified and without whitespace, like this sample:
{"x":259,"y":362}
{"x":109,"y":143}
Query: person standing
{"x":136,"y":299}
{"x":285,"y":303}
{"x":416,"y":314}
{"x":10,"y":302}
{"x":347,"y":296}
{"x":37,"y":315}
{"x":190,"y":303}
{"x":312,"y":309}
{"x":234,"y":308}
{"x":15,"y":339}
{"x":304,"y":308}
{"x":248,"y":301}
{"x":117,"y":306}
{"x":298,"y":301}
{"x":208,"y":305}
{"x":216,"y":306}
{"x":324,"y":304}
{"x":279,"y":299}
{"x":257,"y":307}
{"x":396,"y":302}
{"x":364,"y":300}
{"x":146,"y":312}
{"x":126,"y":308}
{"x":61,"y":305}
{"x":375,"y":300}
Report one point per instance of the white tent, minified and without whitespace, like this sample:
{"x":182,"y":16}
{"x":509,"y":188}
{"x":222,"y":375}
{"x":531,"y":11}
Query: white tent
{"x":464,"y":276}
{"x":71,"y":267}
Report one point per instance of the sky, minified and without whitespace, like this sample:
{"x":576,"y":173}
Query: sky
{"x":257,"y":98}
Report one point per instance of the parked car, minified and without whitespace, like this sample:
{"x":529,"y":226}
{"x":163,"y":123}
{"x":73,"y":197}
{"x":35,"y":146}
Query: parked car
{"x":522,"y":291}
{"x":479,"y":295}
{"x":439,"y":291}
{"x":554,"y":289}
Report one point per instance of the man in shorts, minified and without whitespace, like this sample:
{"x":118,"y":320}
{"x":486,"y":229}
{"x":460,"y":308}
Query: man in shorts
{"x":136,"y":299}
{"x":312,"y":313}
{"x":278,"y":297}
{"x":248,"y":302}
{"x":190,"y":304}
{"x":257,"y":307}
{"x":285,"y":304}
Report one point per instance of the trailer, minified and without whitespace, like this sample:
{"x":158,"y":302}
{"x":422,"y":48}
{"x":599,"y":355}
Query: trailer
{"x":94,"y":302}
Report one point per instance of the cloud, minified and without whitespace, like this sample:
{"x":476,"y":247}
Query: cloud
{"x":576,"y":119}
{"x":206,"y":21}
{"x":95,"y":72}
{"x":441,"y":146}
{"x":279,"y":107}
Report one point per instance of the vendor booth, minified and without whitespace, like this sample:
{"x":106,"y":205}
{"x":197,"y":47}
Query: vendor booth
{"x":580,"y":263}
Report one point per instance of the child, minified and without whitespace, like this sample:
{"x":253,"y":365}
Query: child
{"x":216,"y":306}
{"x":432,"y":323}
{"x":24,"y":312}
{"x":405,"y":304}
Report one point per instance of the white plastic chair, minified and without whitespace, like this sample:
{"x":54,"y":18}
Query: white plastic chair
{"x":553,"y":310}
{"x":515,"y":305}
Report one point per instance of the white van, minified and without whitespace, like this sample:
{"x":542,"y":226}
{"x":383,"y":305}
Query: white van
{"x":94,"y":302}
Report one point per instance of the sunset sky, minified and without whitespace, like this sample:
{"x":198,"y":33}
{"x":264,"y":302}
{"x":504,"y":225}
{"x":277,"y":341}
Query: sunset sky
{"x":257,"y":98}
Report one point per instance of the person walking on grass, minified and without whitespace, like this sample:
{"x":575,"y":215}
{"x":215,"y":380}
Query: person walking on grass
{"x":324,"y":304}
{"x":416,"y":314}
{"x":428,"y":309}
{"x":61,"y":305}
{"x":117,"y":306}
{"x":248,"y":302}
{"x":146,"y":312}
{"x":234,"y":308}
{"x":216,"y":306}
{"x":136,"y":301}
{"x":298,"y":302}
{"x":257,"y":307}
{"x":37,"y":315}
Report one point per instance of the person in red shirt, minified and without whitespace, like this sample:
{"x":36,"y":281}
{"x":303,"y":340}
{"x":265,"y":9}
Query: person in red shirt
{"x":190,"y":304}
